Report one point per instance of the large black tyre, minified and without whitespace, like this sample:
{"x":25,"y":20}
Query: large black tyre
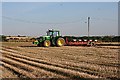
{"x":46,"y":43}
{"x":60,"y":42}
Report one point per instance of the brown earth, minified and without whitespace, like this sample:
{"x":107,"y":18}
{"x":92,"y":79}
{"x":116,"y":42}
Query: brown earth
{"x":25,"y":60}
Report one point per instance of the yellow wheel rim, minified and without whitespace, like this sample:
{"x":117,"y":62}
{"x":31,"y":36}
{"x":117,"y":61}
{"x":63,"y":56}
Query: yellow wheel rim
{"x":60,"y":42}
{"x":47,"y":43}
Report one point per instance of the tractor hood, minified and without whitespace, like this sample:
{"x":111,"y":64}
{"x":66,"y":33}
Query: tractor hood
{"x":46,"y":36}
{"x":41,"y":37}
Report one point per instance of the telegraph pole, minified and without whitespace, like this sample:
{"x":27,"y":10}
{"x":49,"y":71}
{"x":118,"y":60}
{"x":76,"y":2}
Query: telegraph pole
{"x":88,"y":26}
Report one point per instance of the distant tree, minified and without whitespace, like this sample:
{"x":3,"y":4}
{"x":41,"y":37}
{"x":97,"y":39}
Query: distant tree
{"x":107,"y":39}
{"x":116,"y":39}
{"x":2,"y":38}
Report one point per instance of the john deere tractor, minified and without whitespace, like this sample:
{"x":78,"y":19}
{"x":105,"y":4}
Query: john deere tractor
{"x":53,"y":38}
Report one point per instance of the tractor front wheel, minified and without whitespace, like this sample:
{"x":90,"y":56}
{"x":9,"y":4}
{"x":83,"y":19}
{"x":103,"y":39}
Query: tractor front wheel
{"x":46,"y":43}
{"x":60,"y":42}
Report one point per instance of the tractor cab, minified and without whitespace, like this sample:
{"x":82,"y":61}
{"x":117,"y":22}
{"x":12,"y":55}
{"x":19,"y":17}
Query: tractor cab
{"x":53,"y":33}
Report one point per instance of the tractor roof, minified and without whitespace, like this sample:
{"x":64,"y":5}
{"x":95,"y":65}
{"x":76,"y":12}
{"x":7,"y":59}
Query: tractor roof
{"x":52,"y":30}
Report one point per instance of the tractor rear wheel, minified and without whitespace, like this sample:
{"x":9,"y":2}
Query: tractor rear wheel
{"x":60,"y":42}
{"x":46,"y":43}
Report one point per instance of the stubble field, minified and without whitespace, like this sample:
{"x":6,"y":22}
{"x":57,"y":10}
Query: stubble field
{"x":25,"y":60}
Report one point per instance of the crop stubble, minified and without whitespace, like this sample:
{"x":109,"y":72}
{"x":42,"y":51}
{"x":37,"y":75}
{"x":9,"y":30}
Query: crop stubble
{"x":59,"y":62}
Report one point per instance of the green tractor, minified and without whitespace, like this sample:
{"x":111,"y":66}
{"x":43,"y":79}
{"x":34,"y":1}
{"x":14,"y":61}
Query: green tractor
{"x":53,"y":38}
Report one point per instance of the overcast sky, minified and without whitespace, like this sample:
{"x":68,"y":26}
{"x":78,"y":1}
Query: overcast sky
{"x":35,"y":18}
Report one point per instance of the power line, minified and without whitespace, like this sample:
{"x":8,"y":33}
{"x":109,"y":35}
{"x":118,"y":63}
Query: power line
{"x":67,"y":22}
{"x":26,"y":21}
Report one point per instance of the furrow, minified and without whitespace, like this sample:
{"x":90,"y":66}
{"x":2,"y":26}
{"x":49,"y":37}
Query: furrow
{"x":88,"y":69}
{"x":6,"y":73}
{"x":63,"y":64}
{"x":18,"y":71}
{"x":60,"y":66}
{"x":17,"y":64}
{"x":58,"y":70}
{"x":90,"y":63}
{"x":27,"y":67}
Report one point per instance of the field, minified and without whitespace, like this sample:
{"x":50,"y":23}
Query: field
{"x":25,"y":60}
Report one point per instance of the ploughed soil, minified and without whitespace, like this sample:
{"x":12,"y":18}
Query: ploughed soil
{"x":25,"y":60}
